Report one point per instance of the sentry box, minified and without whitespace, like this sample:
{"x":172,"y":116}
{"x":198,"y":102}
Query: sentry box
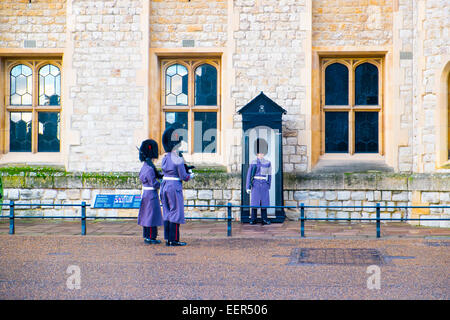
{"x":262,"y":120}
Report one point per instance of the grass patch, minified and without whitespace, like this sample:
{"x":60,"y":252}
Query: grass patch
{"x":29,"y":171}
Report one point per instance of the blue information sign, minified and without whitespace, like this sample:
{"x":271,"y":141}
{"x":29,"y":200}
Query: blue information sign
{"x":120,"y":201}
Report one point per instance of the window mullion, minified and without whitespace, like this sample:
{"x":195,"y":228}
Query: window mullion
{"x":351,"y":113}
{"x":381,"y":108}
{"x":190,"y":111}
{"x":34,"y":116}
{"x":191,"y":131}
{"x":351,"y":134}
{"x":34,"y":130}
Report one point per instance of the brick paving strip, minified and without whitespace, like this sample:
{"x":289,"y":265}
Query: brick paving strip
{"x":218,"y":229}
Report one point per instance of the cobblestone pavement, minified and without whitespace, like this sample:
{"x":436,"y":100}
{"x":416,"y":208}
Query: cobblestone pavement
{"x":258,"y":262}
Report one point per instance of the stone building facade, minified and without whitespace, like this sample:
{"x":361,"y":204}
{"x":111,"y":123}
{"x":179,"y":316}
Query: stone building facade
{"x":112,"y":57}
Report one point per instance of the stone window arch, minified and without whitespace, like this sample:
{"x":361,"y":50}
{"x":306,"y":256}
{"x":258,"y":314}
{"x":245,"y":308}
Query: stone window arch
{"x":351,"y":105}
{"x":33,"y":107}
{"x":443,"y":118}
{"x":190,"y":95}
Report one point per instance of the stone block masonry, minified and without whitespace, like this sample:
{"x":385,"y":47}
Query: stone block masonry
{"x":363,"y":189}
{"x":273,"y":33}
{"x":107,"y":98}
{"x":172,"y":21}
{"x":352,"y":23}
{"x":431,"y":51}
{"x":42,"y":22}
{"x":110,"y":51}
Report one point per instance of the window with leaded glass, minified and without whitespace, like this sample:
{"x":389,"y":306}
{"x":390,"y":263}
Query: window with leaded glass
{"x":33,"y":105}
{"x":366,"y":84}
{"x":336,"y":85}
{"x":190,"y":96}
{"x":205,"y":132}
{"x":20,"y":132}
{"x":177,"y":85}
{"x":336,"y":132}
{"x":351,"y":105}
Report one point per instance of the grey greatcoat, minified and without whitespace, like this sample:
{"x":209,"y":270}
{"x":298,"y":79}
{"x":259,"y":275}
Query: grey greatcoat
{"x":172,"y":190}
{"x":150,"y":210}
{"x":259,"y":187}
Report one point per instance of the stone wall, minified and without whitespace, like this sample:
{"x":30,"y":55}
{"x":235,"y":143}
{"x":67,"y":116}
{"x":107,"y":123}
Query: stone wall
{"x":108,"y":99}
{"x":403,"y":112}
{"x":172,"y":21}
{"x":358,"y":189}
{"x":266,"y":46}
{"x":431,"y":52}
{"x":42,"y":23}
{"x":269,"y":57}
{"x":352,"y":23}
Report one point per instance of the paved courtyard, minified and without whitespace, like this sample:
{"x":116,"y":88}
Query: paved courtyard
{"x":257,"y":262}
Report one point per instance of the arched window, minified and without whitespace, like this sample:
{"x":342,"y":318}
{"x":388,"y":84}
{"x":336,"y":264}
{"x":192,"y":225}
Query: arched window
{"x":336,"y":85}
{"x":350,"y":112}
{"x":21,"y":81}
{"x":191,"y":98}
{"x":49,"y":85}
{"x":366,"y":84}
{"x":177,"y":85}
{"x":205,"y":85}
{"x":33,"y":111}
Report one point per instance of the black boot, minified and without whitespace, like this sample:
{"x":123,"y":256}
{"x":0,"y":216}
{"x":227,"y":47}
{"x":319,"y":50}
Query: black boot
{"x":177,"y":243}
{"x":152,"y":241}
{"x":253,"y":216}
{"x":264,"y":219}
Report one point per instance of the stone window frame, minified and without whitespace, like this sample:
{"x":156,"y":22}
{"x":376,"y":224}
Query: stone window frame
{"x":442,"y":120}
{"x":35,"y":63}
{"x":191,"y":63}
{"x":351,"y":63}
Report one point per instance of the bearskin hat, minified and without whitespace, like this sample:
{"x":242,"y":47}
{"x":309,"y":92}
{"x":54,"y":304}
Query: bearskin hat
{"x":261,"y":146}
{"x":171,"y":137}
{"x":148,"y":150}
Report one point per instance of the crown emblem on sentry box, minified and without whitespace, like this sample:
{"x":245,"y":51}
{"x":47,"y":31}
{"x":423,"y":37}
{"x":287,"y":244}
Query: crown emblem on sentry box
{"x":261,"y":109}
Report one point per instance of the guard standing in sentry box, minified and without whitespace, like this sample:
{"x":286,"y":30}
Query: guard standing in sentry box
{"x":259,"y":178}
{"x":150,"y":216}
{"x":175,"y":171}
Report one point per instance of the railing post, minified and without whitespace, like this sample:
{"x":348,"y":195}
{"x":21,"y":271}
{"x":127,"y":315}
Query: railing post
{"x":378,"y":220}
{"x":229,"y":220}
{"x":302,"y":220}
{"x":11,"y":217}
{"x":83,"y":218}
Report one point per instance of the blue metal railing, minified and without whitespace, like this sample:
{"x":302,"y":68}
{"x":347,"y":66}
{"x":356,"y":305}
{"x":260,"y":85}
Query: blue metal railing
{"x":12,"y":205}
{"x":378,"y":218}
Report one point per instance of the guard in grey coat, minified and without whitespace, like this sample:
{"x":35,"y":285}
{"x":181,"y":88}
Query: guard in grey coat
{"x":259,"y":178}
{"x":150,"y":216}
{"x":174,"y":170}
